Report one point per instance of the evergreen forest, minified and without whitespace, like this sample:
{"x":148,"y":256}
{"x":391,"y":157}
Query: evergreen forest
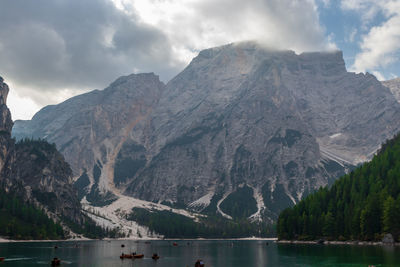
{"x":173,"y":225}
{"x":21,"y":220}
{"x":361,"y":205}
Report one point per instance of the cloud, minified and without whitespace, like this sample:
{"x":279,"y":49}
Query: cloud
{"x":381,"y":44}
{"x":351,"y":35}
{"x":53,"y":49}
{"x":48,"y":47}
{"x":197,"y":24}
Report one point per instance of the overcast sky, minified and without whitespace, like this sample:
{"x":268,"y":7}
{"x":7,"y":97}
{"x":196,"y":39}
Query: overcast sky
{"x":51,"y":50}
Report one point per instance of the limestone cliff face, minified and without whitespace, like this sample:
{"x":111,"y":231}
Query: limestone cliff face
{"x":35,"y":170}
{"x":90,"y":129}
{"x":7,"y":149}
{"x":394,"y":86}
{"x":47,"y":178}
{"x":239,"y":116}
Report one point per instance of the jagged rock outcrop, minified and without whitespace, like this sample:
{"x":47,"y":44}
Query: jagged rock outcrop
{"x":239,"y":117}
{"x":90,"y":129}
{"x":394,"y":86}
{"x":47,"y":178}
{"x":35,"y":170}
{"x":7,"y":145}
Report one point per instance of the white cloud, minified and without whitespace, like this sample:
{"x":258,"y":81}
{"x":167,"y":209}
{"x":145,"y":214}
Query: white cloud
{"x":71,"y":46}
{"x":21,"y":107}
{"x":378,"y":75}
{"x":381,"y":43}
{"x":351,"y":35}
{"x":193,"y":25}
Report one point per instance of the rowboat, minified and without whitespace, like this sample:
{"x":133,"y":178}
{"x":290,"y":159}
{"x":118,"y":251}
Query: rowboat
{"x":126,"y":256}
{"x":55,"y":262}
{"x":138,"y":256}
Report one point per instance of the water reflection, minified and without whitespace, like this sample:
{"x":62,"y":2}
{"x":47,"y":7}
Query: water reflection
{"x":340,"y":255}
{"x":214,"y":253}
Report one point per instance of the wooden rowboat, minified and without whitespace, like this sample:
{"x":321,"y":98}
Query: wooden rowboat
{"x":126,"y":256}
{"x":138,"y":256}
{"x":56,"y":262}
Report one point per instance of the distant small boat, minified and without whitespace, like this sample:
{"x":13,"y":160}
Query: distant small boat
{"x":155,"y":256}
{"x":175,"y":244}
{"x":199,"y":263}
{"x":147,"y":242}
{"x":122,"y":246}
{"x":138,"y":256}
{"x":2,"y":258}
{"x":55,"y":262}
{"x":126,"y":256}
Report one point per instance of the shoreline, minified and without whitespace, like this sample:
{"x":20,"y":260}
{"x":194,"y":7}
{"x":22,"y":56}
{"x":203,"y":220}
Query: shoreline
{"x":326,"y":242}
{"x":3,"y":240}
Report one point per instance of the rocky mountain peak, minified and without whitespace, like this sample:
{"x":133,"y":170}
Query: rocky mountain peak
{"x":35,"y":171}
{"x":239,"y":118}
{"x":6,"y":123}
{"x":136,"y":78}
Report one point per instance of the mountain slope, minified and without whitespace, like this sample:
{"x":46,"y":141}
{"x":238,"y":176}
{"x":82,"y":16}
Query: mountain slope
{"x":362,"y":205}
{"x":36,"y":186}
{"x":394,"y":86}
{"x":240,"y":117}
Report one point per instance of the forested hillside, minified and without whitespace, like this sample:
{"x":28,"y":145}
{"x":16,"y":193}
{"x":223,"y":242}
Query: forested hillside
{"x":21,"y":220}
{"x":173,"y":225}
{"x":362,"y":205}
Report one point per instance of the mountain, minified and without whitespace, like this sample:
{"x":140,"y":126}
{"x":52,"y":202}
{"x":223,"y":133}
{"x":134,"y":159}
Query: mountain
{"x":35,"y":170}
{"x":363,"y":205}
{"x":36,"y":186}
{"x":394,"y":86}
{"x":240,"y":124}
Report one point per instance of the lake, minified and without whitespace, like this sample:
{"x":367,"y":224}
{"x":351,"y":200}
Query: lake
{"x":214,"y":253}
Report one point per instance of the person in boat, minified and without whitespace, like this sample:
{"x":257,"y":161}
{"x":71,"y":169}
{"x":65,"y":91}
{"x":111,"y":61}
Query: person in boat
{"x":55,"y":262}
{"x":199,"y":263}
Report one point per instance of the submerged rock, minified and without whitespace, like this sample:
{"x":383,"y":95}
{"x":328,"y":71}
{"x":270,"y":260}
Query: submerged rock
{"x":388,"y":239}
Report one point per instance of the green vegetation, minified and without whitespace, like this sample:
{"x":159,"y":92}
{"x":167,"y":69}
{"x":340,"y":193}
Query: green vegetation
{"x":126,"y":168}
{"x":240,"y":204}
{"x":362,"y":205}
{"x":37,"y":145}
{"x":89,"y":229}
{"x":277,"y":200}
{"x":173,"y":225}
{"x":291,"y":137}
{"x":21,"y":220}
{"x":96,"y":172}
{"x":81,"y":184}
{"x":98,"y":199}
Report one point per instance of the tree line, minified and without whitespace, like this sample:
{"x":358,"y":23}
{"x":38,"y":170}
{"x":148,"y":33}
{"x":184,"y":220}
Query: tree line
{"x":173,"y":225}
{"x":21,"y":220}
{"x":362,"y":205}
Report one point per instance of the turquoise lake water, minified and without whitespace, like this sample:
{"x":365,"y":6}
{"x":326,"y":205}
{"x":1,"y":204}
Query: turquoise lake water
{"x":213,"y":253}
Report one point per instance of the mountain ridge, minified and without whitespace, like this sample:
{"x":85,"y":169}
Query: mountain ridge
{"x":237,"y":116}
{"x":394,"y":86}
